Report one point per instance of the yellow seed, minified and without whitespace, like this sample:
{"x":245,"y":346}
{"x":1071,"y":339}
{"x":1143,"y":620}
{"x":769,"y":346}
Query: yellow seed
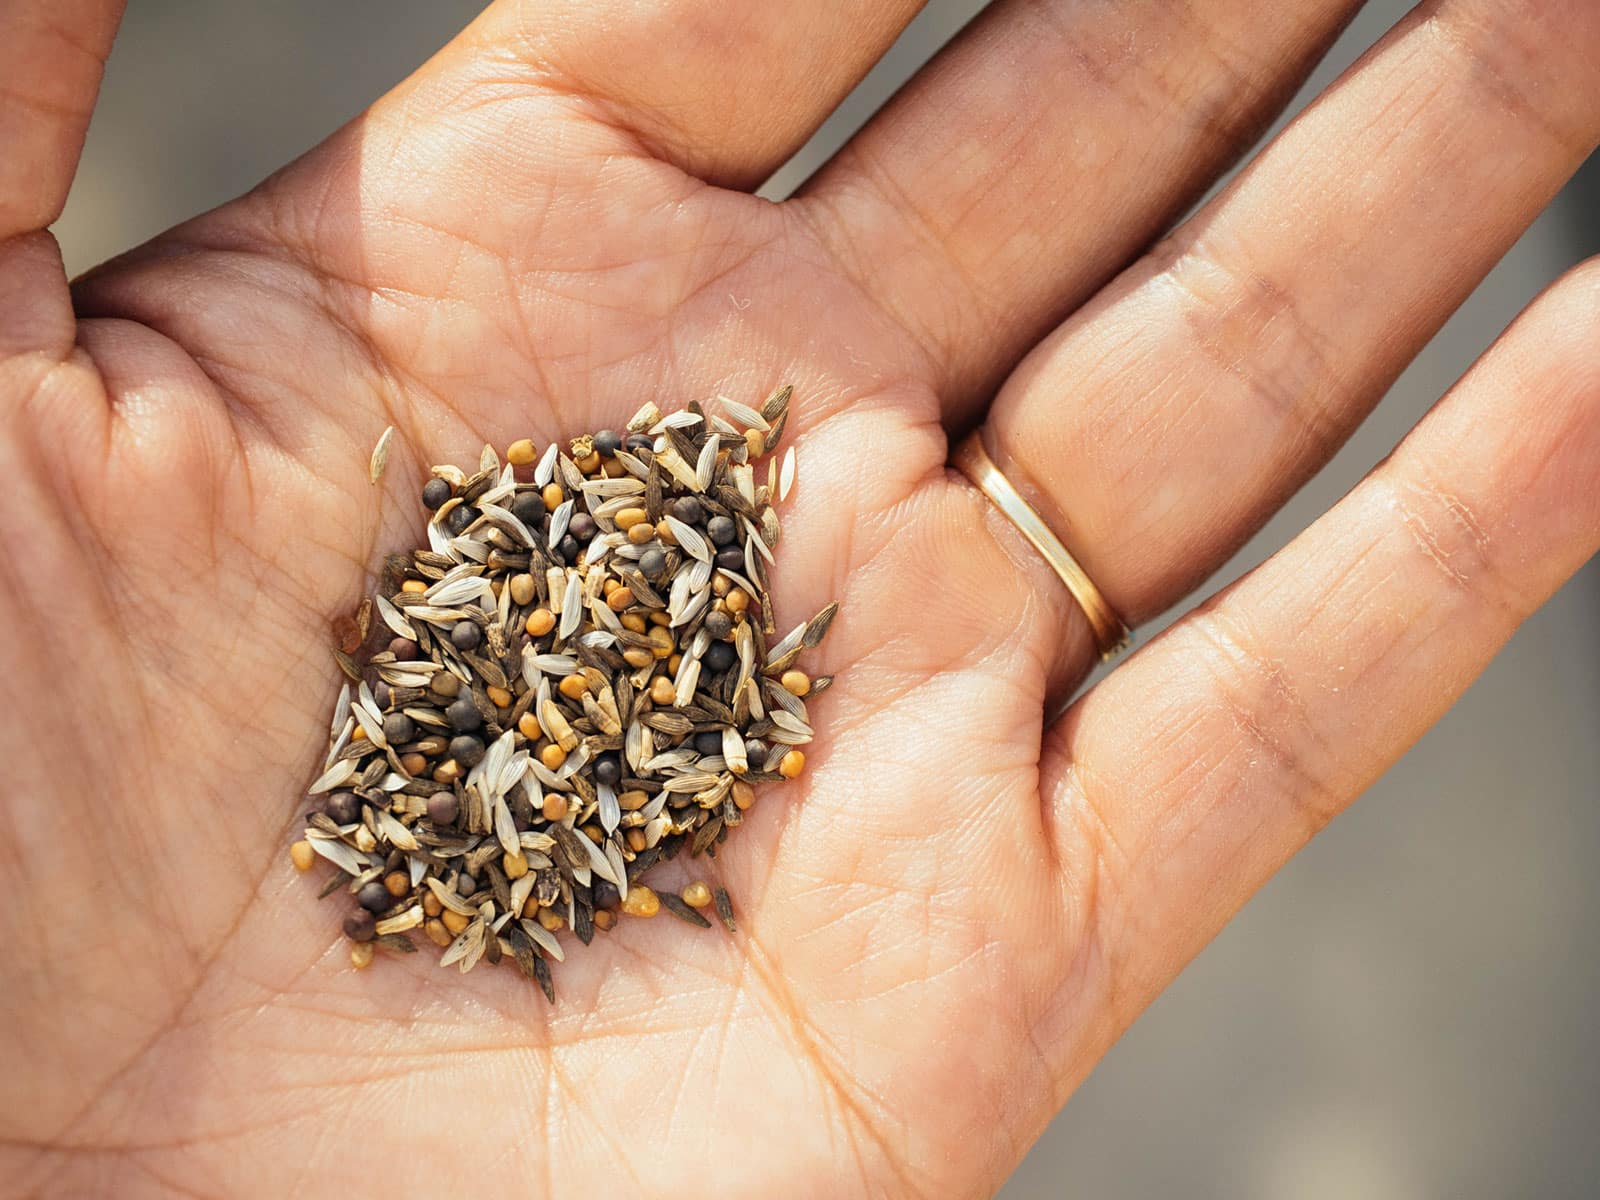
{"x":798,"y":683}
{"x":792,"y":764}
{"x":743,"y":794}
{"x":673,"y":663}
{"x":755,"y":442}
{"x":555,"y":806}
{"x":604,"y":919}
{"x":550,"y":919}
{"x":552,"y":496}
{"x":528,"y":726}
{"x":629,"y":517}
{"x":522,"y":588}
{"x":521,"y":453}
{"x":540,"y":622}
{"x":633,"y":622}
{"x":302,"y":856}
{"x":361,"y":955}
{"x":514,"y":865}
{"x":437,"y":933}
{"x":697,"y":895}
{"x":612,"y":469}
{"x":530,"y":907}
{"x":447,"y":772}
{"x":430,"y":904}
{"x":453,"y":921}
{"x":637,"y":656}
{"x":641,"y":902}
{"x":640,"y":534}
{"x":589,"y":463}
{"x":661,"y":639}
{"x":738,"y":599}
{"x":620,"y":599}
{"x":552,"y":756}
{"x":574,"y":686}
{"x":632,"y":801}
{"x":657,"y":617}
{"x":665,"y":534}
{"x":499,"y":696}
{"x":661,"y":690}
{"x":636,"y":841}
{"x":414,"y":586}
{"x":397,"y":883}
{"x":359,"y":735}
{"x":592,"y":832}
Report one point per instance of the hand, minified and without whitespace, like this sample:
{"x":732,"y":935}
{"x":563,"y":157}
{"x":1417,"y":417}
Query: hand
{"x":960,"y":906}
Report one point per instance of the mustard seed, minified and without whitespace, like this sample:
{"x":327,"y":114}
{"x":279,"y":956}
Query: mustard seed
{"x":302,"y":855}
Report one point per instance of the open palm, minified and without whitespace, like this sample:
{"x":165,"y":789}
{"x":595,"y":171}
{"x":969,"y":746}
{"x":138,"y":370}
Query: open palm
{"x":961,"y":905}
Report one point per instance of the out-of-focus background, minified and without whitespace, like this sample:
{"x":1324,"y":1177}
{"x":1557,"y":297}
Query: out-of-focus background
{"x":1408,"y":1009}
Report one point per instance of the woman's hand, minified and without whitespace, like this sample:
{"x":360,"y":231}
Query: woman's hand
{"x":961,"y":905}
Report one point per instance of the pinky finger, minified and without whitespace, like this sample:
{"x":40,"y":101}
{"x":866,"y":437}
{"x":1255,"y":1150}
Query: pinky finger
{"x":1177,"y":787}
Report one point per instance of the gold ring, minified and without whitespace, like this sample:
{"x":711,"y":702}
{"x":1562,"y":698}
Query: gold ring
{"x":973,"y":461}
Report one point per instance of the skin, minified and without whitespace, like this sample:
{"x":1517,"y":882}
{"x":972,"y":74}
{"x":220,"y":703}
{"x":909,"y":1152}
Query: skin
{"x":958,"y":908}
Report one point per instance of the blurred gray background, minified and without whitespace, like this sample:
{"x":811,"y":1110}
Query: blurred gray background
{"x":1406,"y":1010}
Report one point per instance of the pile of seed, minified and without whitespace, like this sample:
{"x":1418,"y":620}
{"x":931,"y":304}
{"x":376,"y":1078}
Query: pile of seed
{"x":572,"y":682}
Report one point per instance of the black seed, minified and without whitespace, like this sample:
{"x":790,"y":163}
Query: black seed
{"x":755,"y":750}
{"x":528,"y":507}
{"x":344,"y":808}
{"x":653,"y":561}
{"x":719,"y":624}
{"x":397,"y":727}
{"x":687,"y":509}
{"x":608,"y":769}
{"x":582,"y":526}
{"x":374,"y":897}
{"x":460,"y":517}
{"x":443,"y":808}
{"x":607,"y":442}
{"x":605,"y":894}
{"x":383,"y":694}
{"x":640,"y":441}
{"x":569,"y":548}
{"x":708,"y":743}
{"x":434,"y":493}
{"x":730,"y":558}
{"x":466,"y":750}
{"x":465,"y":884}
{"x":721,"y":530}
{"x":465,"y":635}
{"x":360,"y":926}
{"x":720,"y":656}
{"x":464,"y":716}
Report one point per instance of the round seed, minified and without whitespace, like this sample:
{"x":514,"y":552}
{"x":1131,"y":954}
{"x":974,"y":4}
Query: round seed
{"x":397,"y":728}
{"x":374,"y":897}
{"x":555,"y":806}
{"x":721,"y":530}
{"x":743,"y":795}
{"x":522,"y":588}
{"x":738,"y":599}
{"x":718,"y":624}
{"x":730,"y":558}
{"x":436,"y":931}
{"x":344,"y":808}
{"x":444,"y":684}
{"x":464,"y":716}
{"x":466,"y":635}
{"x":708,"y":743}
{"x":797,"y":683}
{"x":629,"y":517}
{"x":641,"y":901}
{"x":686,"y":509}
{"x":552,"y":756}
{"x":528,"y":508}
{"x":397,"y":884}
{"x":604,"y":894}
{"x":661,"y":690}
{"x":653,"y":561}
{"x":720,"y":656}
{"x":361,"y":955}
{"x":620,"y":599}
{"x":466,"y":885}
{"x":552,"y":496}
{"x":589,"y":463}
{"x":434,"y":493}
{"x":573,"y":687}
{"x":359,"y":925}
{"x":791,"y":764}
{"x":607,"y":442}
{"x":383,"y":694}
{"x":521,"y":453}
{"x":582,"y":526}
{"x":540,"y":622}
{"x":404,"y":649}
{"x":608,"y":770}
{"x":498,"y":696}
{"x":528,"y":727}
{"x":569,"y":548}
{"x":604,"y":919}
{"x":460,"y":517}
{"x":467,"y":750}
{"x":697,"y":895}
{"x":455,"y":923}
{"x":443,"y":808}
{"x":302,"y":855}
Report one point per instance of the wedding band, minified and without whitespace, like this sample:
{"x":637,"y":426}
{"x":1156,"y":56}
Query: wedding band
{"x":973,"y":461}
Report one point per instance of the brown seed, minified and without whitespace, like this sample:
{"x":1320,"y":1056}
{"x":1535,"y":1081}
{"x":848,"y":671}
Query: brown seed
{"x":589,"y":463}
{"x":797,"y":683}
{"x":361,"y":955}
{"x":302,"y":855}
{"x":640,"y":534}
{"x":664,"y":533}
{"x":673,"y":663}
{"x":455,"y":922}
{"x":521,"y":453}
{"x":552,"y":496}
{"x":743,"y":794}
{"x":697,"y":895}
{"x":658,"y":617}
{"x":555,"y":806}
{"x":592,"y":832}
{"x":641,"y":902}
{"x":755,"y":442}
{"x":514,"y":865}
{"x":632,"y":801}
{"x":638,"y":656}
{"x":552,"y":756}
{"x":604,"y":919}
{"x":447,"y":772}
{"x":414,"y":587}
{"x":433,"y":746}
{"x":721,"y":586}
{"x":413,"y":764}
{"x":437,"y":933}
{"x":791,"y":764}
{"x":620,"y":599}
{"x":522,"y":589}
{"x":540,"y":622}
{"x":661,"y":690}
{"x":661,"y":639}
{"x":629,"y":517}
{"x":430,"y":904}
{"x":346,"y":634}
{"x":528,"y":726}
{"x":636,"y":841}
{"x":633,"y":622}
{"x":550,"y":919}
{"x":574,"y":686}
{"x":501,"y":698}
{"x":445,"y":684}
{"x":397,"y":883}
